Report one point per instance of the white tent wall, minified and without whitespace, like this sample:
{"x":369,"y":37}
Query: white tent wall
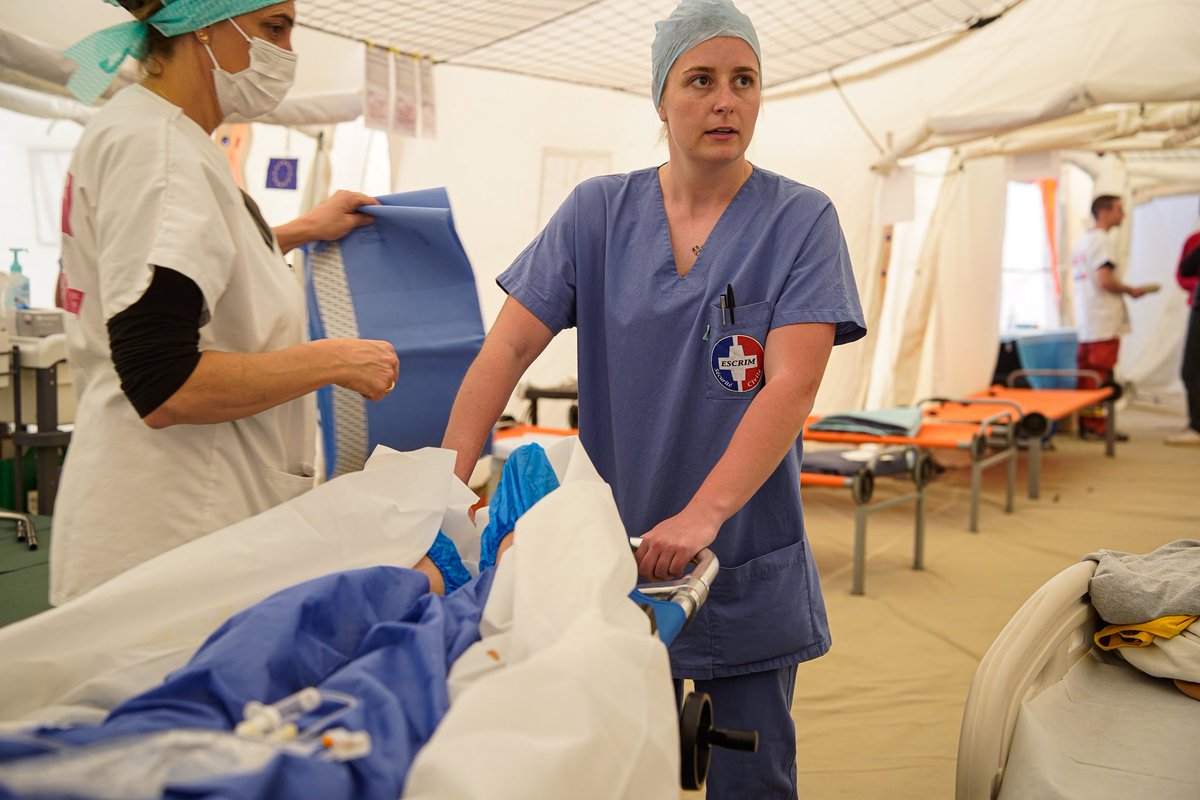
{"x":1043,"y":59}
{"x":1151,"y":355}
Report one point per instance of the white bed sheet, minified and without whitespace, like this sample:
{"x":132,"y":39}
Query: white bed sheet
{"x":72,"y":664}
{"x":568,"y":693}
{"x":1105,"y":731}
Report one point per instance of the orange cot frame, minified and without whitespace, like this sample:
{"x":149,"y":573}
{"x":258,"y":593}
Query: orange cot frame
{"x":862,"y":486}
{"x":969,"y":435}
{"x":1037,"y":407}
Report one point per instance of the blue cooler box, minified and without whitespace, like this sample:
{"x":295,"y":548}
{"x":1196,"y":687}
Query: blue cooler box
{"x":1047,"y":350}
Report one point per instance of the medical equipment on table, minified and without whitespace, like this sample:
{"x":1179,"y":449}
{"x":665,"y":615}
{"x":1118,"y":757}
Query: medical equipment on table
{"x":838,"y":470}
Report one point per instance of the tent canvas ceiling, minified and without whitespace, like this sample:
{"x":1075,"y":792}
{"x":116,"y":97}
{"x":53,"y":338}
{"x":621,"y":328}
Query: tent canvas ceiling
{"x":1064,"y":74}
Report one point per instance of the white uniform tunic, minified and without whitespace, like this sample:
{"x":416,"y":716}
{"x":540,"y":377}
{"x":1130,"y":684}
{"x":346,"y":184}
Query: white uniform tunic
{"x":147,"y":187}
{"x":1099,"y":314}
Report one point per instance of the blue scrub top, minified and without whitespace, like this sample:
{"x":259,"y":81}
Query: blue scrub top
{"x":664,"y":379}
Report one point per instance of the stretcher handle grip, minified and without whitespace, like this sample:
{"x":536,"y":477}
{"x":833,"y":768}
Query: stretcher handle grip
{"x":689,"y":591}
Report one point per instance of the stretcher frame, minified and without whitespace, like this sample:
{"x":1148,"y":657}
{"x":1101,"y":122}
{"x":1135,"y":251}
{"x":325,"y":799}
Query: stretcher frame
{"x":862,"y":487}
{"x":995,"y":432}
{"x":690,"y":591}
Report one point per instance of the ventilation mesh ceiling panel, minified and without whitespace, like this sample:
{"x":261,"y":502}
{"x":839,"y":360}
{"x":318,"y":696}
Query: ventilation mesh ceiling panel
{"x":607,"y":42}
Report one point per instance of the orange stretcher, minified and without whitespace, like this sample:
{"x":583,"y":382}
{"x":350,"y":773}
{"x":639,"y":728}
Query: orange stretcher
{"x":989,"y":440}
{"x":1037,"y":409}
{"x":859,"y":477}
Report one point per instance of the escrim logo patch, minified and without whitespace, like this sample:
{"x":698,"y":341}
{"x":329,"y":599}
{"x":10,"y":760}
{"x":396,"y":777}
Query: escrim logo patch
{"x":737,"y":363}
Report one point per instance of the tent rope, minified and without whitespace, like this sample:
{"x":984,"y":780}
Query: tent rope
{"x":850,"y":107}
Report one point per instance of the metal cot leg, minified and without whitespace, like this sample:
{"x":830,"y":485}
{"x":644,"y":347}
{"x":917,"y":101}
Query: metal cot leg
{"x":1110,"y":438}
{"x":860,"y":547}
{"x":919,"y":532}
{"x":1035,"y":467}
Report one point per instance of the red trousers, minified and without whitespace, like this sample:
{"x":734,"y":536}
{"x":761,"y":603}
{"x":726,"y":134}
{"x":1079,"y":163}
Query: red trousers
{"x":1099,"y":357}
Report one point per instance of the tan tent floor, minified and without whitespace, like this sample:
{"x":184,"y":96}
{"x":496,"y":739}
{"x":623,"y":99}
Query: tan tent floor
{"x":879,"y":716}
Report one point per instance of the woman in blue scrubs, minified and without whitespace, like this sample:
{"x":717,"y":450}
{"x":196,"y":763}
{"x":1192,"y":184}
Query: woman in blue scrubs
{"x":707,"y":294}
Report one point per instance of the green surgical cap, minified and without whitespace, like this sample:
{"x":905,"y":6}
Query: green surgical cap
{"x":101,"y":54}
{"x":691,"y":23}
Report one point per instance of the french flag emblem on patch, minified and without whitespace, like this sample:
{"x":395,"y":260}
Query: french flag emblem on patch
{"x":737,"y":362}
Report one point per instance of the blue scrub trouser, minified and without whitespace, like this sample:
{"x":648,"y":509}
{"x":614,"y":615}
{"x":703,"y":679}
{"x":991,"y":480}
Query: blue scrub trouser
{"x":760,"y":701}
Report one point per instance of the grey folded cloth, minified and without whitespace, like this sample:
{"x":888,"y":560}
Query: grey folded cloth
{"x":900,"y":421}
{"x":1129,"y":588}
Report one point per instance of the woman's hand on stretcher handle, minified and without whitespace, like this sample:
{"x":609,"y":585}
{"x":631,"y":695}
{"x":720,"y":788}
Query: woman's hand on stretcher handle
{"x":667,"y":549}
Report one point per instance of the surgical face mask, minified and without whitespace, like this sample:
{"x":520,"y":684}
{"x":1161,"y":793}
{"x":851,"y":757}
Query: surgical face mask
{"x":259,"y":88}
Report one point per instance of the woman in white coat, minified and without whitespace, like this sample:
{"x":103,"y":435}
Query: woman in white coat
{"x":186,"y":328}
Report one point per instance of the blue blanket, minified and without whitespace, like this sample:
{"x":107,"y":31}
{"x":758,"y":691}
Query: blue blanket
{"x":375,"y":634}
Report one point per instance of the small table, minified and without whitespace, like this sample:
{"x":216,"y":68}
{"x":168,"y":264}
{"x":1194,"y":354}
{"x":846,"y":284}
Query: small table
{"x":533,"y":394}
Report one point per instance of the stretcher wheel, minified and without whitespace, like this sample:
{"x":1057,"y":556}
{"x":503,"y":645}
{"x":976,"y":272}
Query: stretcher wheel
{"x":922,"y":471}
{"x":863,"y":486}
{"x":697,"y":738}
{"x":1035,"y":425}
{"x":978,"y":447}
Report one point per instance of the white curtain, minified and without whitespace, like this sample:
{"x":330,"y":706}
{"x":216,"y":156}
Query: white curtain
{"x":942,"y":314}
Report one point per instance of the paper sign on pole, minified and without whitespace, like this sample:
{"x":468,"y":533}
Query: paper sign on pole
{"x":376,"y":88}
{"x":406,"y":101}
{"x":428,"y":101}
{"x":896,"y":199}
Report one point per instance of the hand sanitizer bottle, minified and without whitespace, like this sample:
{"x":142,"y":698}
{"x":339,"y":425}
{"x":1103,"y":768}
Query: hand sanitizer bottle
{"x":16,"y":291}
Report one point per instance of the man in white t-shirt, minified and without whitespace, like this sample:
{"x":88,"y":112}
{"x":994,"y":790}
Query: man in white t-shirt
{"x":1100,"y":314}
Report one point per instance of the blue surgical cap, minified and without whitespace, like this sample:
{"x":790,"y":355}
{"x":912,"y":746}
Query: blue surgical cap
{"x":100,"y":55}
{"x":691,"y":23}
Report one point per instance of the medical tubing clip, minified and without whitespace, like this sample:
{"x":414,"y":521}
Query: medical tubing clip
{"x":262,"y":719}
{"x":346,"y":745}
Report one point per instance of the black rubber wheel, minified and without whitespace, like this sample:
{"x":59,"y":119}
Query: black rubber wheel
{"x":695,"y":724}
{"x":923,"y":470}
{"x":1035,"y":425}
{"x":863,"y":487}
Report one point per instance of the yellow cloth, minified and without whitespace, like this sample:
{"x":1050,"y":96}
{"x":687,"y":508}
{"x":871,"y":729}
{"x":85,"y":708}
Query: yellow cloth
{"x":1141,"y":634}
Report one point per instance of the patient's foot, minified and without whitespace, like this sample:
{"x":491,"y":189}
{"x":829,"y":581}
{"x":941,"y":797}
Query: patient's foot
{"x":443,"y":566}
{"x":528,"y":477}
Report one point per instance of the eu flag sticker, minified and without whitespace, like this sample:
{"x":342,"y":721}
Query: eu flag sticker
{"x":281,"y":173}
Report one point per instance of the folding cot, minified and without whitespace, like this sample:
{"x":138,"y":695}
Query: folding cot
{"x":1038,"y":408}
{"x":988,"y":441}
{"x":834,"y":469}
